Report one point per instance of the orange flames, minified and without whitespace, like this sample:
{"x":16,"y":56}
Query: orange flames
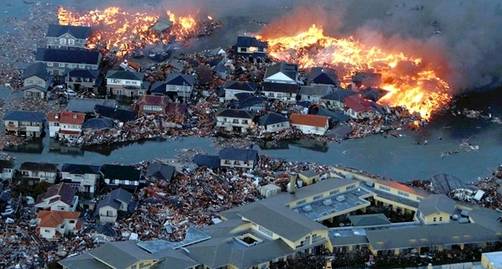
{"x":121,"y":31}
{"x":409,"y":81}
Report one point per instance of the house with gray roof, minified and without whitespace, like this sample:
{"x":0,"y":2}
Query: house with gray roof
{"x":36,"y":81}
{"x":83,"y":177}
{"x":323,"y":76}
{"x":234,"y":87}
{"x":118,"y":200}
{"x":314,"y":93}
{"x":125,"y":176}
{"x":60,"y":61}
{"x":82,"y":79}
{"x":436,"y":208}
{"x":160,"y":171}
{"x":234,"y":120}
{"x":238,"y":158}
{"x":67,"y":36}
{"x":336,"y":99}
{"x":180,"y":85}
{"x":126,"y":83}
{"x":24,"y":123}
{"x":273,"y":122}
{"x":282,"y":72}
{"x":60,"y":197}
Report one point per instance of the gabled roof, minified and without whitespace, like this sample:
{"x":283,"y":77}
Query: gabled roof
{"x":115,"y":198}
{"x":234,"y":113}
{"x":435,"y":204}
{"x":316,"y":90}
{"x":36,"y":69}
{"x":338,"y":95}
{"x":251,"y":101}
{"x":238,"y":154}
{"x":87,"y":105}
{"x":272,"y":118}
{"x":35,"y":87}
{"x":290,"y":70}
{"x":67,"y":56}
{"x":124,"y":172}
{"x":120,"y":254}
{"x":98,"y":124}
{"x":180,"y":79}
{"x":121,"y":195}
{"x":115,"y":113}
{"x":67,"y":117}
{"x":309,"y":119}
{"x":55,"y":218}
{"x":160,"y":171}
{"x":83,"y":73}
{"x":125,"y":74}
{"x":319,"y":75}
{"x":240,"y":85}
{"x":46,"y":167}
{"x":280,"y":87}
{"x":25,"y":116}
{"x":249,"y":41}
{"x":80,"y":32}
{"x":65,"y":191}
{"x":209,"y":161}
{"x":6,"y":164}
{"x":80,"y":169}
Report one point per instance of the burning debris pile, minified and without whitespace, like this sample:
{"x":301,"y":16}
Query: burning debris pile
{"x":410,"y":82}
{"x":121,"y":31}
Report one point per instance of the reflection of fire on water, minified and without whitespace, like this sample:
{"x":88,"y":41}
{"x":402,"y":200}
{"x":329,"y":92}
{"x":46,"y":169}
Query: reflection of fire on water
{"x":115,"y":29}
{"x":409,"y":81}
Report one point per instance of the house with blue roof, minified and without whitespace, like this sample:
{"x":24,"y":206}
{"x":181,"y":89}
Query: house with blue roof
{"x":67,"y":36}
{"x":24,"y":123}
{"x":238,"y":158}
{"x":249,"y":45}
{"x":82,"y":176}
{"x":273,"y":122}
{"x":36,"y":81}
{"x":60,"y":61}
{"x":82,"y":79}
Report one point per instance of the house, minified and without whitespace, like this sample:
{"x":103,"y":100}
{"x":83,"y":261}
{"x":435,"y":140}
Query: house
{"x":209,"y":161}
{"x":160,"y":171}
{"x":35,"y":81}
{"x":357,"y":107}
{"x":314,"y":93}
{"x":95,"y":124}
{"x":252,"y":103}
{"x":336,"y":99}
{"x":323,"y":76}
{"x":122,"y":115}
{"x":180,"y":85}
{"x":283,"y":73}
{"x":24,"y":123}
{"x":86,"y":105}
{"x":84,"y":178}
{"x":234,"y":87}
{"x":65,"y":125}
{"x":273,"y":122}
{"x":436,"y":208}
{"x":36,"y":172}
{"x":59,"y":197}
{"x":6,"y":169}
{"x":238,"y":158}
{"x":82,"y":79}
{"x":233,"y":120}
{"x":151,"y":104}
{"x":67,"y":36}
{"x":118,"y":200}
{"x":60,"y":61}
{"x":310,"y":124}
{"x":126,"y":83}
{"x":53,"y":223}
{"x":122,"y":176}
{"x":280,"y":91}
{"x":248,"y":45}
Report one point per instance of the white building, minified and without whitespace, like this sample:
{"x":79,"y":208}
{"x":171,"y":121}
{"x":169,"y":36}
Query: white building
{"x":67,"y":36}
{"x":282,"y":73}
{"x":6,"y":170}
{"x":273,"y":122}
{"x":38,"y":172}
{"x":310,"y":124}
{"x":52,"y":223}
{"x":108,"y":208}
{"x":60,"y":197}
{"x":83,"y":177}
{"x":232,"y":120}
{"x":180,"y":84}
{"x":65,"y":125}
{"x":126,"y":83}
{"x":238,"y":158}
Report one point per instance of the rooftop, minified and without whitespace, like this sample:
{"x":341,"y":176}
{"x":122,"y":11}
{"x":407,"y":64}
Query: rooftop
{"x":234,"y":113}
{"x":67,"y":117}
{"x":80,"y":32}
{"x":238,"y":154}
{"x":309,"y":119}
{"x":67,"y":56}
{"x":25,"y":116}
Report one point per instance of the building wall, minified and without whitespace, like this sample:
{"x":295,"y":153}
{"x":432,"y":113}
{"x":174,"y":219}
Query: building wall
{"x":286,"y":97}
{"x":333,"y":104}
{"x":437,"y":218}
{"x":66,"y":41}
{"x":398,"y":192}
{"x":7,"y":173}
{"x":230,"y":93}
{"x":251,"y":50}
{"x":33,"y":94}
{"x":49,"y":177}
{"x":24,"y":128}
{"x":107,"y":214}
{"x":276,"y":127}
{"x":60,"y":69}
{"x":228,"y":123}
{"x":307,"y":129}
{"x":182,"y":91}
{"x":87,"y":182}
{"x":237,"y":164}
{"x":34,"y":80}
{"x":47,"y":232}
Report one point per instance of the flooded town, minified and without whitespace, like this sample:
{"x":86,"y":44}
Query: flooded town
{"x":255,"y":134}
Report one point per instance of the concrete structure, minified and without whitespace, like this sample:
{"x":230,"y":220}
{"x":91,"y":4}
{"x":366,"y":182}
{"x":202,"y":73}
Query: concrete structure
{"x":60,"y":197}
{"x":84,"y":178}
{"x":60,"y":61}
{"x":310,"y":124}
{"x":67,"y":36}
{"x":57,"y":223}
{"x":238,"y":158}
{"x":65,"y":125}
{"x":314,"y":93}
{"x":233,"y":120}
{"x":24,"y":123}
{"x":126,"y":83}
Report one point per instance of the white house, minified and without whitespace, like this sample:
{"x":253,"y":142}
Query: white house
{"x":282,"y":73}
{"x":314,"y":93}
{"x":6,"y":170}
{"x":126,"y":83}
{"x":67,"y":36}
{"x":310,"y":124}
{"x":83,"y":177}
{"x":180,"y":84}
{"x":233,"y":120}
{"x":37,"y":172}
{"x":249,"y":45}
{"x":234,"y":87}
{"x":52,"y":223}
{"x":108,"y":208}
{"x":60,"y":197}
{"x":273,"y":122}
{"x":280,"y":91}
{"x":238,"y":158}
{"x":65,"y":125}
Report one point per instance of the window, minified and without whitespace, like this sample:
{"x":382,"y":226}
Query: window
{"x":72,"y":221}
{"x":71,"y":42}
{"x":62,"y":41}
{"x":383,"y":188}
{"x":434,"y":219}
{"x":61,"y":64}
{"x":300,"y":202}
{"x":49,"y":64}
{"x":403,"y":194}
{"x":245,"y":121}
{"x":317,"y":197}
{"x":333,"y":192}
{"x":440,"y":218}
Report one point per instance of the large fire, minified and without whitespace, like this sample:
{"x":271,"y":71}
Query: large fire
{"x":122,"y":31}
{"x":409,"y":81}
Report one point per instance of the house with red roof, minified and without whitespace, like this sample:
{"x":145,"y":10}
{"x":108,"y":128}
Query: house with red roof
{"x":357,"y":107}
{"x":310,"y":124}
{"x":151,"y":104}
{"x":65,"y":125}
{"x":53,"y":223}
